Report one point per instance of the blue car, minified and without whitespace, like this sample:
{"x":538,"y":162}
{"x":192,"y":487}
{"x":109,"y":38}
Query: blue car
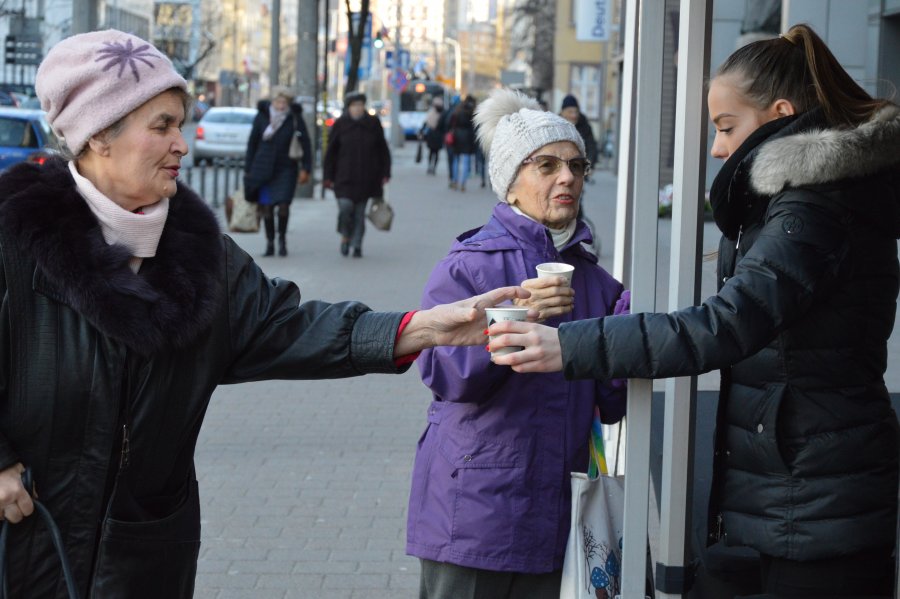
{"x":25,"y":135}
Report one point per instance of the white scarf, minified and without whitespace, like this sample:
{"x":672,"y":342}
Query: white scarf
{"x":276,"y":120}
{"x":560,"y":236}
{"x":140,"y":233}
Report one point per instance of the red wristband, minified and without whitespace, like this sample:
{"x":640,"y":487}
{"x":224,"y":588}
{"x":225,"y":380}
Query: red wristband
{"x":410,"y":358}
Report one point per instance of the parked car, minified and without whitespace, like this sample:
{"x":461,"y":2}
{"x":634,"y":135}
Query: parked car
{"x":25,"y":134}
{"x":222,"y":133}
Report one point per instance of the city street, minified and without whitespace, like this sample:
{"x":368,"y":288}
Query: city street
{"x":304,"y":484}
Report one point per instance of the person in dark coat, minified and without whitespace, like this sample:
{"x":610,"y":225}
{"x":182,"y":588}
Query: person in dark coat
{"x":357,"y":167}
{"x":572,"y":113}
{"x":462,"y":127}
{"x":271,"y":175}
{"x":122,"y":307}
{"x":432,"y":134}
{"x":446,"y":117}
{"x":808,"y":202}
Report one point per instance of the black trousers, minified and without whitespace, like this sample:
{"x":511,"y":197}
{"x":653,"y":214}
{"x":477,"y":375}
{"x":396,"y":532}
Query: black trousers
{"x":863,"y":575}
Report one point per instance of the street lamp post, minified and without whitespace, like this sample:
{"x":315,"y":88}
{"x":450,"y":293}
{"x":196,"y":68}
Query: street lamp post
{"x":397,"y":135}
{"x":457,"y":62}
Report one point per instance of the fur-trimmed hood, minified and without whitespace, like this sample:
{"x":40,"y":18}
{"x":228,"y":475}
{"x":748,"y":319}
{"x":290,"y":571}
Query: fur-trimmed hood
{"x":175,"y":296}
{"x":823,"y":156}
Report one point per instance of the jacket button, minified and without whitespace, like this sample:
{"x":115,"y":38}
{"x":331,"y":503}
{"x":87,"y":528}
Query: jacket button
{"x":760,"y":428}
{"x":724,"y":279}
{"x":467,"y":458}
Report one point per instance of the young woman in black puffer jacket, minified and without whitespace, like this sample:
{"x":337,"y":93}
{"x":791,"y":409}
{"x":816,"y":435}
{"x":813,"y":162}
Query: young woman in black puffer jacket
{"x":808,"y":202}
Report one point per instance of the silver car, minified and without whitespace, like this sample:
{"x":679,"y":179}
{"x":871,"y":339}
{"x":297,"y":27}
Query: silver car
{"x":223,"y":133}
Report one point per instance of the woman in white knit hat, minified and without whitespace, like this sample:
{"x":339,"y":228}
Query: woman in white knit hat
{"x":122,"y":307}
{"x":489,"y":506}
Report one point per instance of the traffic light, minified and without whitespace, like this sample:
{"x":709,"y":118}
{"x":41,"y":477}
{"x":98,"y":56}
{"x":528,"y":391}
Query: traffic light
{"x":378,"y":42}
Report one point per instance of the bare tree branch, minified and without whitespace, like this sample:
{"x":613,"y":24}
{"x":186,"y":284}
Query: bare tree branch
{"x":533,"y":25}
{"x":355,"y":41}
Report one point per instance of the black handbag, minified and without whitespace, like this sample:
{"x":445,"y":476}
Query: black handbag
{"x":54,"y":536}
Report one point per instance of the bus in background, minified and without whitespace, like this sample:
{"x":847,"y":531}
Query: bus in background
{"x":415,"y":101}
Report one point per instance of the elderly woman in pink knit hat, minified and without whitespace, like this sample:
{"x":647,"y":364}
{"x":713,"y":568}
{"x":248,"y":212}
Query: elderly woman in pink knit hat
{"x":122,"y":307}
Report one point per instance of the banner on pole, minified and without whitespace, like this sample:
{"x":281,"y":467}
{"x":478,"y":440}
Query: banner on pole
{"x":592,"y":18}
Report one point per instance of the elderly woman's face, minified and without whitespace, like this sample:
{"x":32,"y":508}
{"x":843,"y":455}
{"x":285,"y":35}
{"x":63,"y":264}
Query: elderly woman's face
{"x":280,"y":103}
{"x":138,"y":167}
{"x":551,"y":198}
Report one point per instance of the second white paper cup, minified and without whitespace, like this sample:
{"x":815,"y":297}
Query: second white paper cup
{"x":501,"y":314}
{"x":555,"y":269}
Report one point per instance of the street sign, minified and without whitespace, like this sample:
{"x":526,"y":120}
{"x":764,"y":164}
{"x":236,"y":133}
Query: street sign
{"x":389,"y":59}
{"x":398,"y":80}
{"x":404,"y":60}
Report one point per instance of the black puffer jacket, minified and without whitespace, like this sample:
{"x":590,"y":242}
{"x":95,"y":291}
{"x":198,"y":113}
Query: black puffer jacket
{"x":267,"y":161}
{"x":88,"y":347}
{"x":358,"y":158}
{"x":808,"y":442}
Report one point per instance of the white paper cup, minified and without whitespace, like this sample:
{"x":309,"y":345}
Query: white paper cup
{"x":555,"y":269}
{"x":499,"y":314}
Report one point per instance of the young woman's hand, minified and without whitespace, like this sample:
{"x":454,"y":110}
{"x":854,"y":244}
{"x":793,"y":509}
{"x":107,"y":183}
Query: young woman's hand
{"x":15,"y":503}
{"x":459,"y":323}
{"x":550,"y":296}
{"x":542,"y":351}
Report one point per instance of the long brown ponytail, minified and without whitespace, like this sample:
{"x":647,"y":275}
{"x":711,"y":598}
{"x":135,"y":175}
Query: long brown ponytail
{"x":799,"y":67}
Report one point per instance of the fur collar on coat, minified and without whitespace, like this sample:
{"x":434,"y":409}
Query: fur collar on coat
{"x":171,"y":301}
{"x":828,"y":155}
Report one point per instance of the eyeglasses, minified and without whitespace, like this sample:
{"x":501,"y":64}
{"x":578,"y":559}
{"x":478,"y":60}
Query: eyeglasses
{"x":550,"y":165}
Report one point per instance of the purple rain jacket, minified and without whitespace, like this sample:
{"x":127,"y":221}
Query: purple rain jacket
{"x":490,"y":484}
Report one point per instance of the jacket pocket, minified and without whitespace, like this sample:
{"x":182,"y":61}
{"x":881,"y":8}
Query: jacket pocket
{"x":491,"y":496}
{"x":150,"y":559}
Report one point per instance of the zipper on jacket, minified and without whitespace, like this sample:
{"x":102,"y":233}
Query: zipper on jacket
{"x":123,"y":455}
{"x":719,"y":524}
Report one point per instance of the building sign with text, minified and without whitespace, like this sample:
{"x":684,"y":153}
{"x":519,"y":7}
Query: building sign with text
{"x":592,"y":20}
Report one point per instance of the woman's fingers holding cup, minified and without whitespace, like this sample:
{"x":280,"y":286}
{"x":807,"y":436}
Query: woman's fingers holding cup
{"x":550,"y":297}
{"x":541,"y":353}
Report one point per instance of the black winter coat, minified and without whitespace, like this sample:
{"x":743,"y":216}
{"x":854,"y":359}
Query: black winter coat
{"x":587,"y":135}
{"x":358,"y":158}
{"x":90,"y":349}
{"x":267,"y":161}
{"x":463,"y":127}
{"x":807,"y":442}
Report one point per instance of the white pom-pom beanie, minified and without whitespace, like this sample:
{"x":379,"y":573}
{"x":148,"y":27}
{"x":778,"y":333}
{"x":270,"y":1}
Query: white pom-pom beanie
{"x":511,"y":126}
{"x":89,"y":81}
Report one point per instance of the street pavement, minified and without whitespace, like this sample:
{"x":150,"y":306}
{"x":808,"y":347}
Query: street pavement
{"x":304,"y":484}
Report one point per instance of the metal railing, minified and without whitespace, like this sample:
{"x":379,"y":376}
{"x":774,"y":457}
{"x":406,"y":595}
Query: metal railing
{"x":214,"y":182}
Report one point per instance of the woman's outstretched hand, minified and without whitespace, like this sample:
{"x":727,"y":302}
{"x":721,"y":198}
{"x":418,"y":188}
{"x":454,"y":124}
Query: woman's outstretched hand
{"x":459,"y":323}
{"x":542,"y":351}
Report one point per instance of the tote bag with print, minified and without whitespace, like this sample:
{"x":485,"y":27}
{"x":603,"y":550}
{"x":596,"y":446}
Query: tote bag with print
{"x":592,"y":568}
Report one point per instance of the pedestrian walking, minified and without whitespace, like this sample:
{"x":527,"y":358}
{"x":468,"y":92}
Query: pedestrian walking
{"x":446,"y":117}
{"x":462,"y":130}
{"x":571,"y":111}
{"x":357,"y":167}
{"x":808,"y":202}
{"x":123,"y":307}
{"x":495,"y":523}
{"x":432,"y":134}
{"x":271,"y":175}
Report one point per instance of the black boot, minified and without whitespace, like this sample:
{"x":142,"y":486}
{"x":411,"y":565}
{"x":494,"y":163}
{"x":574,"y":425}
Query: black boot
{"x":269,"y":222}
{"x":282,"y":231}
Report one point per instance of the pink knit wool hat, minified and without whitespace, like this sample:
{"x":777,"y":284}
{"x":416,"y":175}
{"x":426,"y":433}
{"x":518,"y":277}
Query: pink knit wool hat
{"x":89,"y":81}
